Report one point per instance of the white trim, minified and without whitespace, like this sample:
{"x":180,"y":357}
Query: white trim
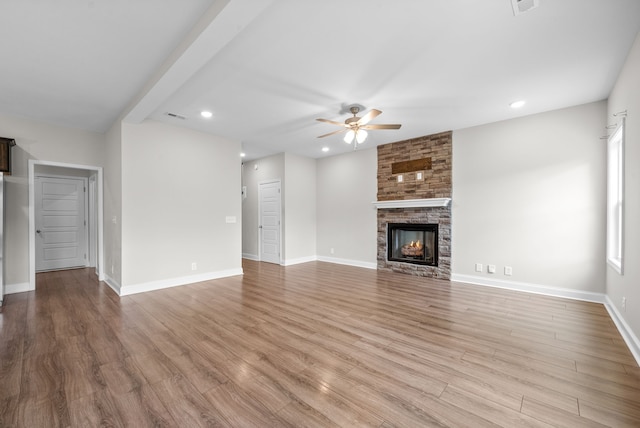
{"x":348,"y":262}
{"x":250,"y":257}
{"x":616,"y":198}
{"x":175,"y":282}
{"x":616,"y":264}
{"x":298,"y":261}
{"x":100,"y":244}
{"x":567,"y":293}
{"x":413,"y":203}
{"x":92,"y":219}
{"x":16,"y":288}
{"x":112,"y":283}
{"x":625,"y":331}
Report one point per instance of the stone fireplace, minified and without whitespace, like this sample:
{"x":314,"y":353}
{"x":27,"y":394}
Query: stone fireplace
{"x":414,"y":194}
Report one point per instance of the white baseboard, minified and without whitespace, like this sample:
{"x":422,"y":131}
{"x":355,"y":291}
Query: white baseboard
{"x":567,"y":293}
{"x":625,"y":331}
{"x":299,"y":260}
{"x":175,"y":282}
{"x":115,"y":286}
{"x":284,"y":262}
{"x":290,"y":262}
{"x":16,"y":288}
{"x":355,"y":263}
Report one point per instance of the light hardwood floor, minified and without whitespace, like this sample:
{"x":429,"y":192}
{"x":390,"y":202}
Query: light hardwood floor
{"x":315,"y":344}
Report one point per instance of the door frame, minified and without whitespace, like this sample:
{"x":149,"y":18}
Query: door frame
{"x":94,"y":170}
{"x":92,"y":220}
{"x":260,"y":183}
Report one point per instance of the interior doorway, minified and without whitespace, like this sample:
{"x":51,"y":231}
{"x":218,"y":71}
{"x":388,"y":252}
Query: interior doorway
{"x":269,"y":201}
{"x":62,"y":226}
{"x":93,"y":176}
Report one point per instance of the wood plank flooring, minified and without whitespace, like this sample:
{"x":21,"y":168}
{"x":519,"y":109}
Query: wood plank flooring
{"x":310,"y":345}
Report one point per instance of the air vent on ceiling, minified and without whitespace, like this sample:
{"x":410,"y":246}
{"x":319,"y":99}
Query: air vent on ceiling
{"x":176,"y":116}
{"x":522,"y":6}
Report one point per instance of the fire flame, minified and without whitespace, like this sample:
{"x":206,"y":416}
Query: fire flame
{"x":416,"y":244}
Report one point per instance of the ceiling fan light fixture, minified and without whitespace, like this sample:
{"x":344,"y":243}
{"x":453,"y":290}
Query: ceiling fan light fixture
{"x":355,"y":126}
{"x":361,"y":135}
{"x":349,"y":136}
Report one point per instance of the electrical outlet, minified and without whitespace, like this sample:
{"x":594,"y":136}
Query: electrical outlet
{"x":624,"y":304}
{"x":194,"y":266}
{"x":491,"y":268}
{"x":331,"y":251}
{"x":478,"y":267}
{"x":508,"y":270}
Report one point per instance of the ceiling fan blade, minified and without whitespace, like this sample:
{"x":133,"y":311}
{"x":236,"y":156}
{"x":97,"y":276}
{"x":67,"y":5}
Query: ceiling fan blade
{"x":333,"y":122}
{"x":331,"y":133}
{"x":367,"y":117}
{"x":388,"y":126}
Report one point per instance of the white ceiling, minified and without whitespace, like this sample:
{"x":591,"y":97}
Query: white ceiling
{"x":268,"y":68}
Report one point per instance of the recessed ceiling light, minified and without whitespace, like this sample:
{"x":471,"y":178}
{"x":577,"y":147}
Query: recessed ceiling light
{"x":242,"y":154}
{"x":206,"y":114}
{"x":325,"y":149}
{"x":517,"y":104}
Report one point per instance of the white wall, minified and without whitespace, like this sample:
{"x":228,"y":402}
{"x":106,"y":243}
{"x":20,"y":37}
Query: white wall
{"x":113,"y":206}
{"x":530,"y":193}
{"x":626,"y":96}
{"x":346,"y":218}
{"x":299,"y":209}
{"x":43,"y":142}
{"x":254,"y":172}
{"x":178,"y":187}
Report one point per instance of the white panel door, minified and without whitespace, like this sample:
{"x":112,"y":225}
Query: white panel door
{"x":269,"y":216}
{"x":61,"y":237}
{"x":1,"y":237}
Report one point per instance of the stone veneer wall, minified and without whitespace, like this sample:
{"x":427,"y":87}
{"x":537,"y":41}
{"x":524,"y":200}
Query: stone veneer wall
{"x":437,"y":180}
{"x":436,"y":184}
{"x":440,"y":216}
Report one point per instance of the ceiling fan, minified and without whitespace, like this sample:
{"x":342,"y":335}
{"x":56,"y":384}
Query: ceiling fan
{"x":356,"y":127}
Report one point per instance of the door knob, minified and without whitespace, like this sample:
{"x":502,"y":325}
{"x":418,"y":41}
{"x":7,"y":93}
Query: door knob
{"x":38,"y":231}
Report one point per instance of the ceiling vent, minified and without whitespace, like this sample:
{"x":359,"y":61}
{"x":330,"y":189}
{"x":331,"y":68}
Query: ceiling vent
{"x":522,"y":6}
{"x":176,"y":116}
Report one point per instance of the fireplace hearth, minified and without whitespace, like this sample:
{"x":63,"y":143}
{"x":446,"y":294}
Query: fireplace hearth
{"x":413,"y":243}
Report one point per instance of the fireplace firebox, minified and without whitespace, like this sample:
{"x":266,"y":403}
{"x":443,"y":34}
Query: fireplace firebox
{"x":412,"y":243}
